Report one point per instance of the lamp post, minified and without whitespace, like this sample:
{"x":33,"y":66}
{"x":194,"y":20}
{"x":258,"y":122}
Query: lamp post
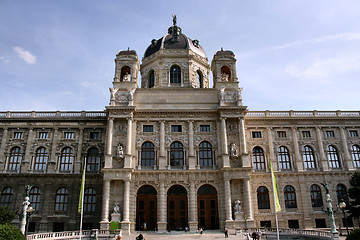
{"x":330,"y":212}
{"x":29,"y":211}
{"x":26,"y":204}
{"x":342,"y":206}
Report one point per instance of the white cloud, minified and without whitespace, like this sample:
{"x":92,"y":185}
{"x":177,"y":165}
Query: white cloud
{"x":4,"y":59}
{"x":27,"y":56}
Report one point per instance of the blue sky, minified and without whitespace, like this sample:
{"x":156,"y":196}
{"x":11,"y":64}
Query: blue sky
{"x":291,"y":55}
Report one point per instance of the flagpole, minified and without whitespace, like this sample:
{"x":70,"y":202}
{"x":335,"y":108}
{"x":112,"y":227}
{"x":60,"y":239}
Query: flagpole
{"x":276,"y":208}
{"x":82,"y":198}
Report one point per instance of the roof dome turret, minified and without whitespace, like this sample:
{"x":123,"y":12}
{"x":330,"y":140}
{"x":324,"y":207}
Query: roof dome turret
{"x":174,"y":39}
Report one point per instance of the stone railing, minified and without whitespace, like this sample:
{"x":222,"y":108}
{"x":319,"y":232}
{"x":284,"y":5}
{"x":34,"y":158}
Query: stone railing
{"x":57,"y":114}
{"x":269,"y":232}
{"x":301,"y":114}
{"x":86,"y":234}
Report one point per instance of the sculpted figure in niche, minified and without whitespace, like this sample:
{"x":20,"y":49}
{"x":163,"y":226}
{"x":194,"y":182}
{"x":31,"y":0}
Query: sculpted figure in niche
{"x":120,"y":150}
{"x":112,"y":93}
{"x":237,"y":206}
{"x":126,"y":77}
{"x":224,"y":77}
{"x":116,"y":207}
{"x":233,"y":150}
{"x":222,"y":93}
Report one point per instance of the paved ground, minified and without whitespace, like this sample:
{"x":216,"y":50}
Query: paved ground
{"x":207,"y":235}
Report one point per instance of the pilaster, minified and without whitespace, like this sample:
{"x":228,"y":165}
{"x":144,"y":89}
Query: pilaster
{"x":108,"y":156}
{"x":78,"y":155}
{"x":192,"y":159}
{"x":297,"y":161}
{"x":323,"y":160}
{"x":348,"y":163}
{"x":105,"y":224}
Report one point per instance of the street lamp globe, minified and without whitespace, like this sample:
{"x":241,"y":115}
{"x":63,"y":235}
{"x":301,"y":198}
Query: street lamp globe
{"x":342,"y":205}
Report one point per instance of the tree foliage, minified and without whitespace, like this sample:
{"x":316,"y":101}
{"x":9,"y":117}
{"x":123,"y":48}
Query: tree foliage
{"x":354,"y":235}
{"x":354,"y":193}
{"x":10,"y":232}
{"x":6,"y":216}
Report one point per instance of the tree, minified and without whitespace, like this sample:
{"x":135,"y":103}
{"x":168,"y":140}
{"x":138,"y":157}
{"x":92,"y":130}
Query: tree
{"x":6,"y":216}
{"x":10,"y":232}
{"x":354,"y":235}
{"x":354,"y":193}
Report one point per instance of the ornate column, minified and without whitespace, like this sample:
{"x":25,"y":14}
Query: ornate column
{"x":192,"y":158}
{"x":162,"y":208}
{"x":248,"y":204}
{"x":79,"y":151}
{"x":125,"y":224}
{"x":2,"y":148}
{"x":104,"y":224}
{"x":53,"y":158}
{"x":323,"y":160}
{"x":109,"y":143}
{"x":128,"y":155}
{"x":162,"y":155}
{"x":242,"y":140}
{"x":27,"y":159}
{"x":348,"y":163}
{"x":225,"y":154}
{"x":271,"y":149}
{"x":193,"y":223}
{"x":227,"y":201}
{"x":298,"y":160}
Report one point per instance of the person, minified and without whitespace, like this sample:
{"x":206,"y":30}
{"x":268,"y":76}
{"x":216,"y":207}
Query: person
{"x":259,"y":233}
{"x":253,"y":235}
{"x":226,"y":233}
{"x":201,"y":230}
{"x":140,"y":237}
{"x":247,"y":235}
{"x":118,"y":237}
{"x":145,"y":227}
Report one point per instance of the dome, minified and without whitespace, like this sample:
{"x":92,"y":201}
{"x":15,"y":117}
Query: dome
{"x":174,"y":39}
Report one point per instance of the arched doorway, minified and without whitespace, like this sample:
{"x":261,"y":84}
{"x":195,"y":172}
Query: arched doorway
{"x":208,"y":207}
{"x":177,"y":209}
{"x":146,"y":208}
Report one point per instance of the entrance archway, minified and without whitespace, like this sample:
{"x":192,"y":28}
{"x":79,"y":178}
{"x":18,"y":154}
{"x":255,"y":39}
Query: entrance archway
{"x":177,"y":208}
{"x":208,"y":207}
{"x":146,"y":208}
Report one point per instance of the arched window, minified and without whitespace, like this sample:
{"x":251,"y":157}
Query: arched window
{"x":290,"y":197}
{"x":147,"y":154}
{"x":263,"y":198}
{"x":151,"y":79}
{"x":125,"y":74}
{"x":175,"y":74}
{"x":284,"y":158}
{"x":41,"y":156}
{"x":66,"y":159}
{"x":309,"y":158}
{"x":333,"y":157}
{"x":355,"y":153}
{"x":176,"y":154}
{"x":6,"y":197}
{"x":15,"y":159}
{"x":258,"y":158}
{"x":35,"y":198}
{"x":61,"y":200}
{"x":341,"y":194}
{"x":89,"y":200}
{"x":316,"y":197}
{"x":93,"y":160}
{"x":205,"y":154}
{"x":199,"y":79}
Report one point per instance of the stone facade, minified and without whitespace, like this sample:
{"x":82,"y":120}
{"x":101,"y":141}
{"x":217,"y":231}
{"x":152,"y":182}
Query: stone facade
{"x":176,"y":153}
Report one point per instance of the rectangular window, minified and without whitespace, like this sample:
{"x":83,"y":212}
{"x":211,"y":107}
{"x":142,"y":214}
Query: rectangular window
{"x":95,"y":135}
{"x":265,"y":224}
{"x":43,"y":135}
{"x":69,"y":135}
{"x":330,"y":134}
{"x":256,"y":134}
{"x":204,"y":128}
{"x":293,"y":223}
{"x":306,"y":134}
{"x":353,"y":133}
{"x":148,"y":128}
{"x":18,"y":135}
{"x":320,"y":223}
{"x":176,"y":128}
{"x":281,"y":134}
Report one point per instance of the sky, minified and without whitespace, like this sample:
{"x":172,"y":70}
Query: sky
{"x":291,"y":55}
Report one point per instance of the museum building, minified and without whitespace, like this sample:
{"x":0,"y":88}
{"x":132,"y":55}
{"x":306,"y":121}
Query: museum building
{"x":177,"y":153}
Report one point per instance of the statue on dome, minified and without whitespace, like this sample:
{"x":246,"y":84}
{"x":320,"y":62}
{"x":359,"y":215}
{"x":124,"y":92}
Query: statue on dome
{"x":174,"y":19}
{"x":224,"y":77}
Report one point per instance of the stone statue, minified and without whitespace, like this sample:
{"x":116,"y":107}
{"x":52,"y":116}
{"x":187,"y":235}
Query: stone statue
{"x":237,"y":206}
{"x":174,"y":19}
{"x":120,"y":150}
{"x":112,"y":93}
{"x":222,"y":93}
{"x":224,"y":77}
{"x":28,"y":189}
{"x":116,"y":207}
{"x":126,"y":77}
{"x":131,"y":94}
{"x":233,"y":150}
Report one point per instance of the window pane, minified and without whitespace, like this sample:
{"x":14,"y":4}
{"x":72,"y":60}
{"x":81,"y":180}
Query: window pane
{"x":258,"y":158}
